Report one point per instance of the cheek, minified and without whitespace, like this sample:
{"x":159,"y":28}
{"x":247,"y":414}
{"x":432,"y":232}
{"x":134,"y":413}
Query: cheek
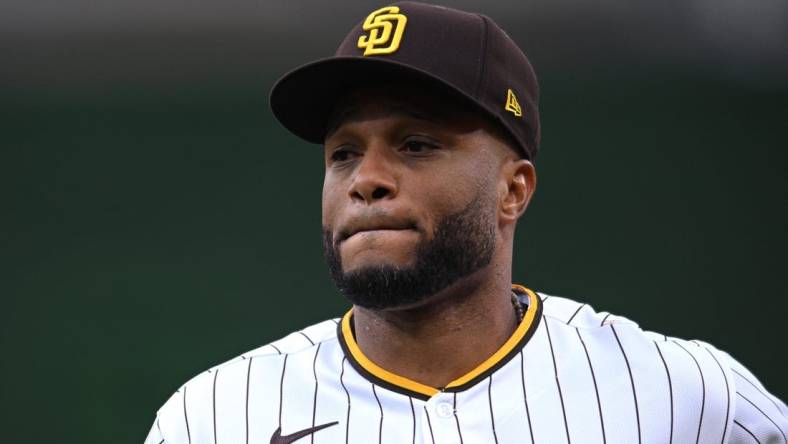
{"x":330,"y":201}
{"x":449,"y":192}
{"x":327,"y":203}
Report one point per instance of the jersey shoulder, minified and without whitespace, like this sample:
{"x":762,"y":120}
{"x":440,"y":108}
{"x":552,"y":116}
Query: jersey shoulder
{"x":172,"y":418}
{"x":578,"y":314}
{"x":295,"y":342}
{"x":625,"y":335}
{"x":703,"y":383}
{"x":692,"y":366}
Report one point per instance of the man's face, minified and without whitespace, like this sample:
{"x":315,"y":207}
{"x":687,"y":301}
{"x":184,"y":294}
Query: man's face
{"x":409,"y":196}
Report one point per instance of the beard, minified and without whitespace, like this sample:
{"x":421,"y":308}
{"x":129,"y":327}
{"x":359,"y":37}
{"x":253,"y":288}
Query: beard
{"x":462,"y":243}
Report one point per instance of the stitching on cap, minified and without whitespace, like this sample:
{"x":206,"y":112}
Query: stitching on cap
{"x":483,"y":53}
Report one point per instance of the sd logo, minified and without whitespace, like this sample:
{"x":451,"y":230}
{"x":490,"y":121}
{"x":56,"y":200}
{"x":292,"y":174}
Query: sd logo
{"x":385,"y":27}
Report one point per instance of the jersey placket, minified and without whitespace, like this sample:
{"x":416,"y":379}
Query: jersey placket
{"x":440,"y":424}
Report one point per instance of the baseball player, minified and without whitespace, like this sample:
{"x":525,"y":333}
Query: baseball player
{"x":429,"y":122}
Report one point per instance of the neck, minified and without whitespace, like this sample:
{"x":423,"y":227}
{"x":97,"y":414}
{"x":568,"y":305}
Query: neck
{"x":445,"y":338}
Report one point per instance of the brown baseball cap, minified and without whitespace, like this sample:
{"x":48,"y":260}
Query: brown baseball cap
{"x":464,"y":53}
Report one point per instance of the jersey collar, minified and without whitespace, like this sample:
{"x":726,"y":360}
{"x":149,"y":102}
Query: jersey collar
{"x":397,"y":383}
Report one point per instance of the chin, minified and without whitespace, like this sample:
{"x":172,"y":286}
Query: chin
{"x":369,"y":260}
{"x":396,"y":247}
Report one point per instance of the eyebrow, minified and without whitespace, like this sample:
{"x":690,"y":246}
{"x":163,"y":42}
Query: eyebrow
{"x":353,"y":114}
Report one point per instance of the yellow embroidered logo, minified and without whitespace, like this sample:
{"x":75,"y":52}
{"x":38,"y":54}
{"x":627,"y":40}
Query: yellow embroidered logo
{"x":512,"y":104}
{"x":385,"y":27}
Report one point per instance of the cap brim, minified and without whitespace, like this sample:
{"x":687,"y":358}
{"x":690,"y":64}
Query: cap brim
{"x":303,"y":99}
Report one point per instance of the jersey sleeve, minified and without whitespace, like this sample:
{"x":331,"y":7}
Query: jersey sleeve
{"x":759,"y":416}
{"x":154,"y":436}
{"x":171,"y":425}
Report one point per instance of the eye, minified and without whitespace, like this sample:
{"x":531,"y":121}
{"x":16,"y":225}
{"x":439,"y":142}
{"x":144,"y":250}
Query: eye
{"x":418,"y":146}
{"x":341,"y":155}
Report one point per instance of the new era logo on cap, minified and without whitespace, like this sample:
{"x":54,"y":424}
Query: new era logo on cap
{"x":512,"y":105}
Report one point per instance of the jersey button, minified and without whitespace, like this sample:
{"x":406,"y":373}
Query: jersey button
{"x":444,"y":410}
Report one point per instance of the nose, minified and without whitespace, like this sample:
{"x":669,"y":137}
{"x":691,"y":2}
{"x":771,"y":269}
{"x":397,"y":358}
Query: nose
{"x":374,"y":179}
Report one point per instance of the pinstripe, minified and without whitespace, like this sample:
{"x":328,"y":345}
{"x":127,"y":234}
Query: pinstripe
{"x":186,"y":417}
{"x":747,"y":430}
{"x":213,"y":399}
{"x":604,"y":319}
{"x":631,"y":380}
{"x":763,"y":413}
{"x":282,"y":389}
{"x":342,"y":381}
{"x":380,"y":424}
{"x":158,"y":427}
{"x":429,"y":424}
{"x":596,"y":390}
{"x":413,"y":412}
{"x":575,"y":313}
{"x":246,"y":409}
{"x":765,"y":395}
{"x":492,"y":415}
{"x":670,"y":391}
{"x":727,"y":396}
{"x":525,"y":398}
{"x":307,"y":337}
{"x":703,"y":386}
{"x":456,"y":418}
{"x":557,"y":382}
{"x":314,"y":398}
{"x":276,"y":348}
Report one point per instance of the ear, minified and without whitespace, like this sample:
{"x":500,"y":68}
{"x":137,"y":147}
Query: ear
{"x":517,"y":185}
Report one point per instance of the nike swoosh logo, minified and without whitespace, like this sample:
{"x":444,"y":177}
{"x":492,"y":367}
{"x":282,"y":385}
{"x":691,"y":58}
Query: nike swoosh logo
{"x":277,"y":437}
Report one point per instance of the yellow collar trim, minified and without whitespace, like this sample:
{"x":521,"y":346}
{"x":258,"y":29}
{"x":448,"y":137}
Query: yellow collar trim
{"x":409,"y":384}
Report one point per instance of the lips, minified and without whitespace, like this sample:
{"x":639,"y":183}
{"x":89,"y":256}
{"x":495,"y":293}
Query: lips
{"x":356,"y":226}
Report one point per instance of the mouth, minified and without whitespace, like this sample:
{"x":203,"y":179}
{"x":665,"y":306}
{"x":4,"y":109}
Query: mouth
{"x":375,"y":228}
{"x":377,"y":231}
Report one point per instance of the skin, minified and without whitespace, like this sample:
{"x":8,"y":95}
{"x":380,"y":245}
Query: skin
{"x":397,"y":160}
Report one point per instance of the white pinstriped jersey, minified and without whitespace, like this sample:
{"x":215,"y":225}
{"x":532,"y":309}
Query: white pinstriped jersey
{"x":567,"y":374}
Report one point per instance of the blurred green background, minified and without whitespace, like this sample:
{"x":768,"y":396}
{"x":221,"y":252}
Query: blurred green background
{"x":156,"y":220}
